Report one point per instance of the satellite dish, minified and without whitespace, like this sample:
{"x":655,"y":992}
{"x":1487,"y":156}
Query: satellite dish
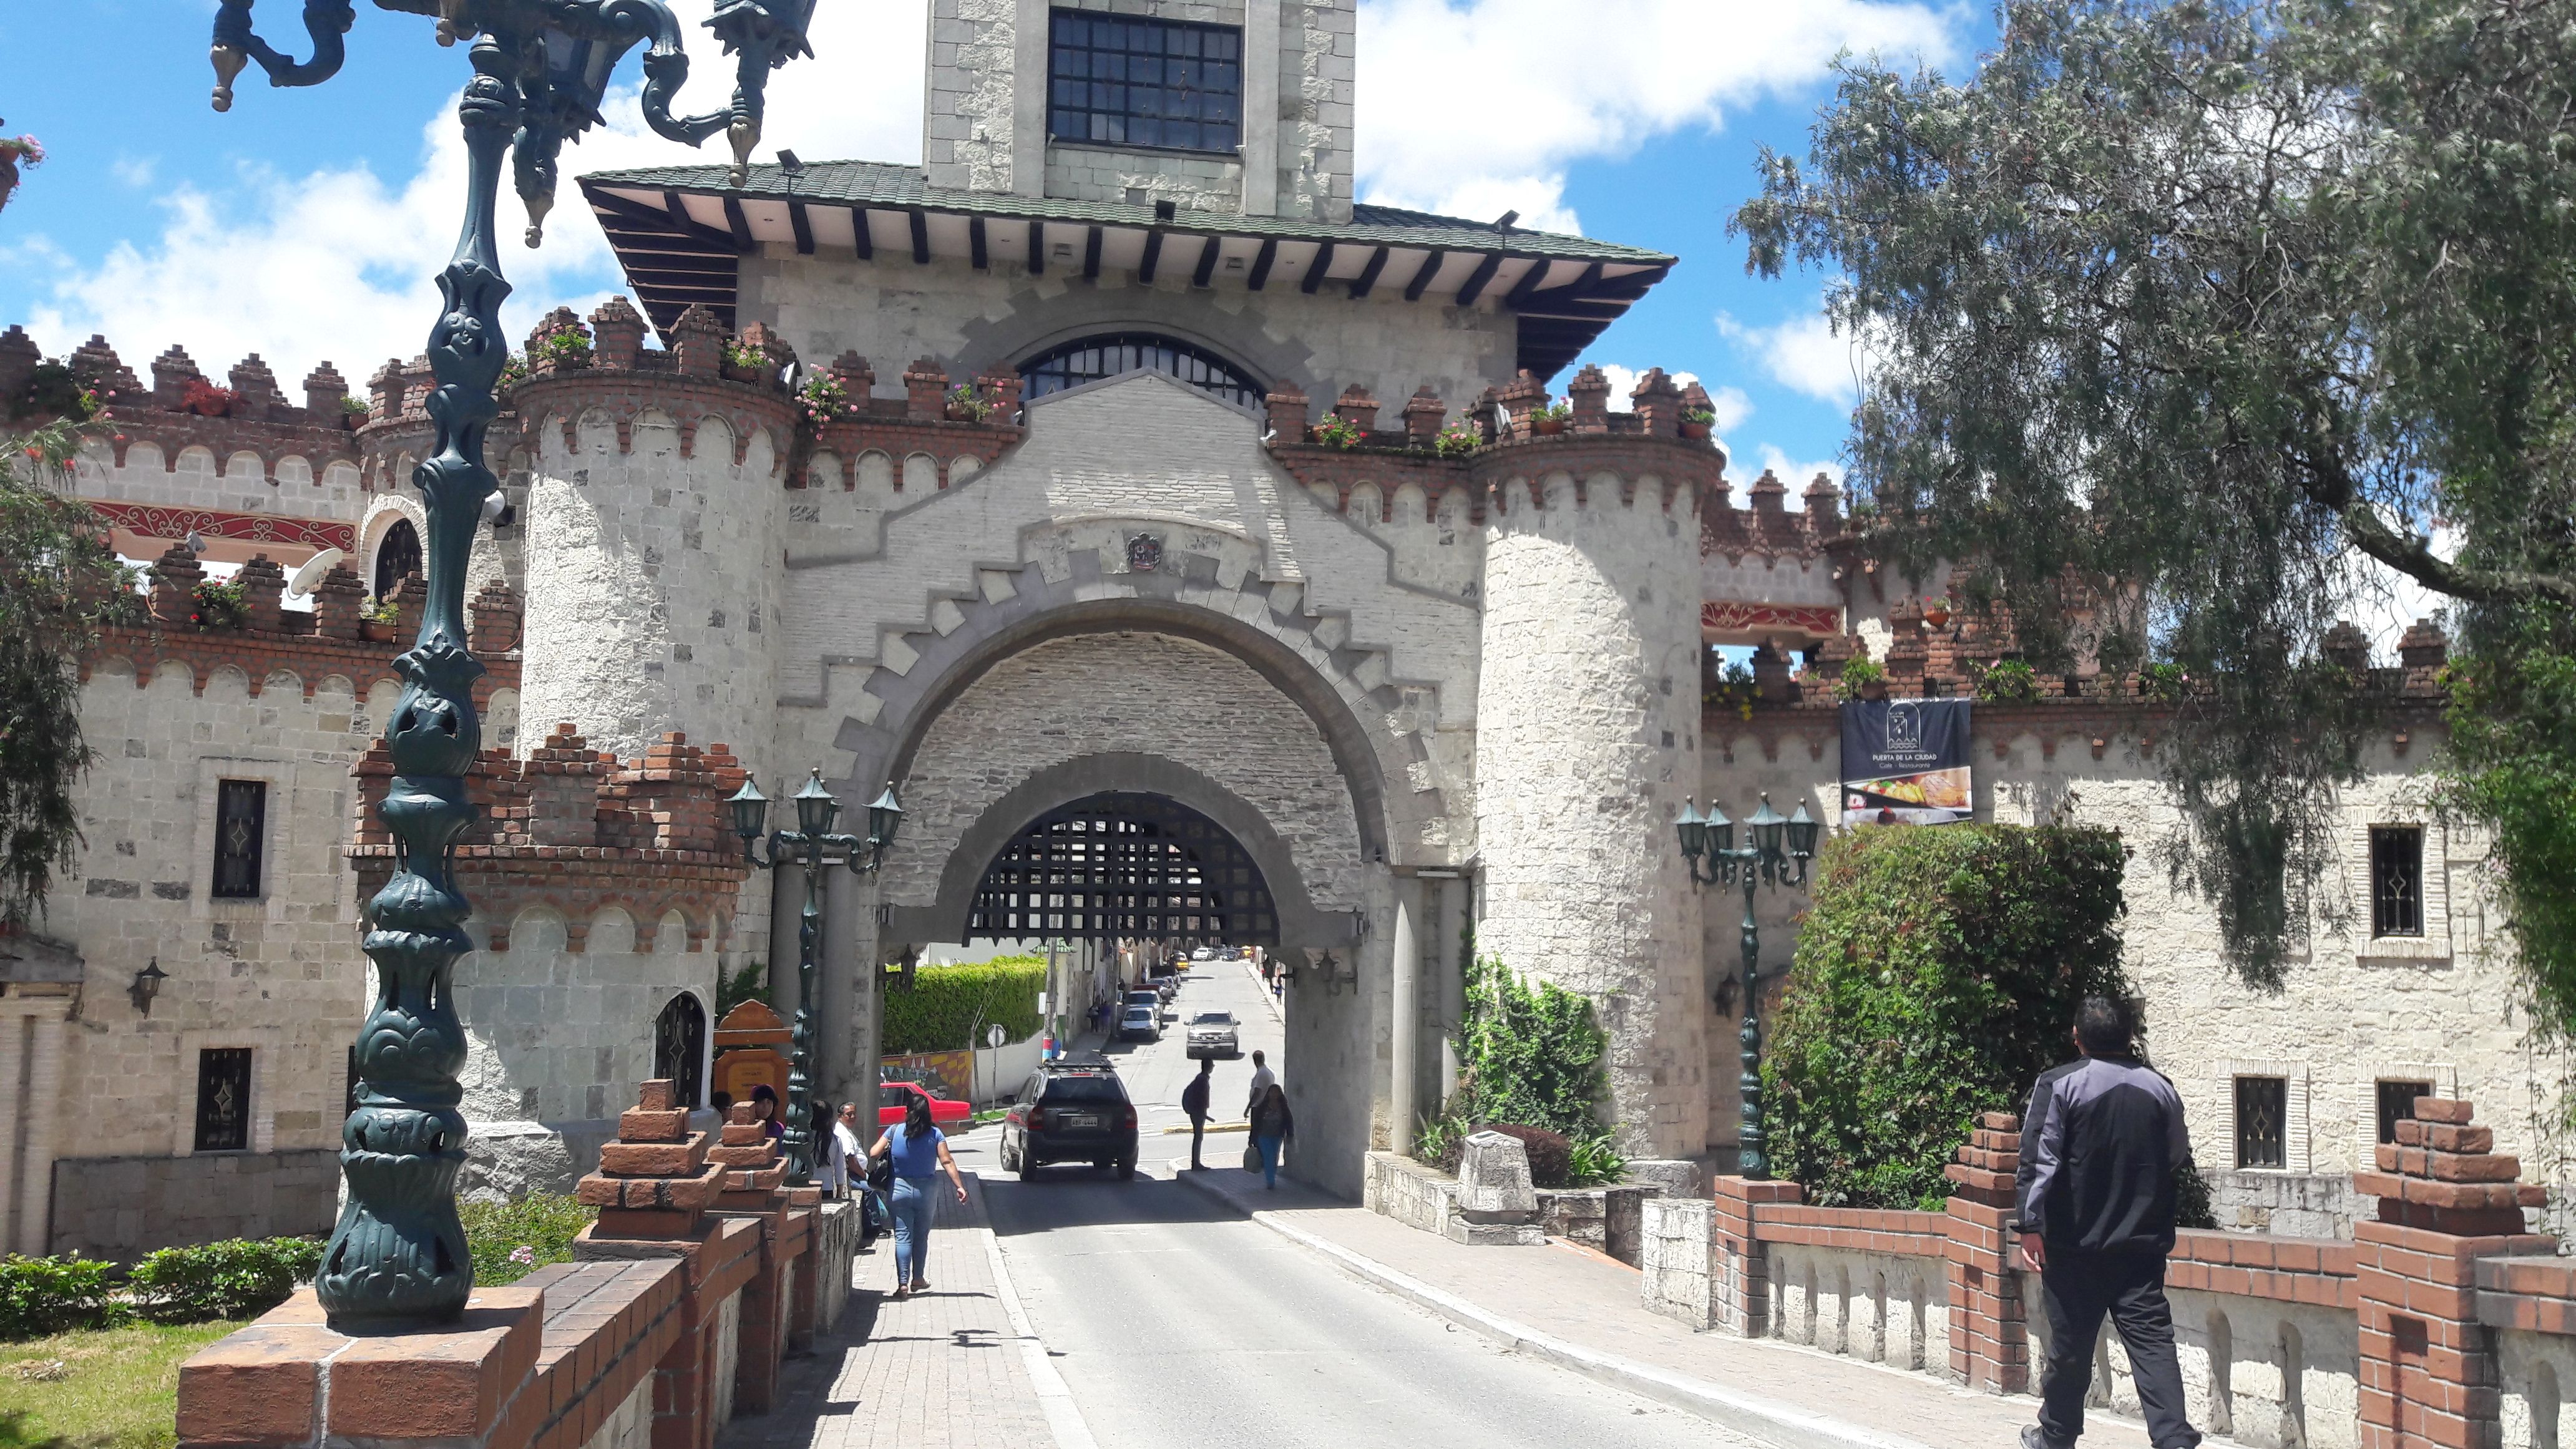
{"x":312,"y":571}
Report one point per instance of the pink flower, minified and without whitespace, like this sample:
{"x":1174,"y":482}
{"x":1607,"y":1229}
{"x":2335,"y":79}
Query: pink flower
{"x":524,"y":1255}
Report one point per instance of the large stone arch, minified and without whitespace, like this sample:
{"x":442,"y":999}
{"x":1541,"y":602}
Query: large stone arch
{"x":1343,"y":688}
{"x":1301,"y":924}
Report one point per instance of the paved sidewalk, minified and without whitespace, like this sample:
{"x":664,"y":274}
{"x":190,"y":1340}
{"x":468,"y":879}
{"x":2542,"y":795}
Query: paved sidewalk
{"x":948,"y":1369}
{"x":1580,"y":1309}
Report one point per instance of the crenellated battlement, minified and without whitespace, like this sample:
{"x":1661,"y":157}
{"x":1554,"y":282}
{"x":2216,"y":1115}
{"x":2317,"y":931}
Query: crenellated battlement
{"x":181,"y":408}
{"x":576,"y":829}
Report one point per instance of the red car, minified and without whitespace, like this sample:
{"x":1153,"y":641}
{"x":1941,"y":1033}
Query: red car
{"x":944,"y":1111}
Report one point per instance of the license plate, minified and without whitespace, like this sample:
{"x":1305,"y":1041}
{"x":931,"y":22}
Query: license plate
{"x":1082,"y":1124}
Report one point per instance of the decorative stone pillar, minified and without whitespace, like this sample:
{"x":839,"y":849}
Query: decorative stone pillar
{"x":1658,"y":404}
{"x":1287,"y":415}
{"x":617,"y":335}
{"x":1589,"y":398}
{"x":256,"y":383}
{"x":1358,"y":407}
{"x":925,"y":391}
{"x":697,"y":342}
{"x":1405,"y":1024}
{"x":336,"y":603}
{"x":1423,"y":414}
{"x":1989,"y":1323}
{"x":41,"y":1021}
{"x":1522,"y":400}
{"x":175,"y":576}
{"x":263,"y":584}
{"x":324,"y":392}
{"x":19,"y":357}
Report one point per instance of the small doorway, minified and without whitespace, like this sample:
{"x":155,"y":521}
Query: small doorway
{"x":680,"y":1048}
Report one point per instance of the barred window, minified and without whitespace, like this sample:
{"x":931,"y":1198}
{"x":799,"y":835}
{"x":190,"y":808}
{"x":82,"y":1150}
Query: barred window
{"x":2262,"y":1107}
{"x":2397,"y":1104}
{"x":223,"y":1099}
{"x":2397,"y":880}
{"x":1090,"y":359}
{"x":1123,"y":81}
{"x":241,"y":834}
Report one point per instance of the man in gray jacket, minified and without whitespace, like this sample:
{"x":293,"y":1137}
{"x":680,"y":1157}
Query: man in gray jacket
{"x":2099,"y":1147}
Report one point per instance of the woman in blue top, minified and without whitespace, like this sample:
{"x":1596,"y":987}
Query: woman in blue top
{"x":919,"y":1150}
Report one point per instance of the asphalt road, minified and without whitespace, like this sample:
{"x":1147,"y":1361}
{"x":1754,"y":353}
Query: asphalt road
{"x":1175,"y":1323}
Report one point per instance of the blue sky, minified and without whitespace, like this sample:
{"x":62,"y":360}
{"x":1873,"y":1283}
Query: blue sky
{"x":305,"y":224}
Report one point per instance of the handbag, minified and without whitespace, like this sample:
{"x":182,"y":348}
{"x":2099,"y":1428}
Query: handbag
{"x":1252,"y":1157}
{"x":881,"y":1172}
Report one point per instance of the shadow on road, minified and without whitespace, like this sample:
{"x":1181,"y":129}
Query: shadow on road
{"x":1083,"y":1197}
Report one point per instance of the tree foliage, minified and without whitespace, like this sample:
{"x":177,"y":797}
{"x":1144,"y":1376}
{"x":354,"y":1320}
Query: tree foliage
{"x":58,"y":583}
{"x":1937,"y":975}
{"x":1530,"y":1053}
{"x":2191,"y":326}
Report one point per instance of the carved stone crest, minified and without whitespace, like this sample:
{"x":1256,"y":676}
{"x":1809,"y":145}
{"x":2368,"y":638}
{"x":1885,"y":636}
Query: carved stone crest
{"x":1144,"y":552}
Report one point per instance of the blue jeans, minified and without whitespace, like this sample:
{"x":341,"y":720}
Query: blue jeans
{"x":1269,"y":1148}
{"x":916,"y":1206}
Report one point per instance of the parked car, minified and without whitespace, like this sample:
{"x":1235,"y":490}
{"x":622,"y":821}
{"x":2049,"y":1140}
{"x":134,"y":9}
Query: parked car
{"x":1140,"y":1023}
{"x":945,"y":1112}
{"x":1073,"y":1109}
{"x":1204,"y":953}
{"x":1214,"y":1034}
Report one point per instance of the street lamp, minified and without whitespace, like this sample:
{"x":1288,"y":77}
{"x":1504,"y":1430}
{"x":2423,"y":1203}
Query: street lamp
{"x":816,"y":810}
{"x":541,"y":67}
{"x":1773,"y":847}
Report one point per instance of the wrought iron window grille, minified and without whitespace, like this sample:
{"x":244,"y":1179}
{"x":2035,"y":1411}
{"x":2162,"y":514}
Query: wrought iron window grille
{"x":1126,"y":81}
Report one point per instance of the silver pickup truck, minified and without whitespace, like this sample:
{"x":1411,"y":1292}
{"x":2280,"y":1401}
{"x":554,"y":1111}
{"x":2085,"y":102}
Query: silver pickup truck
{"x":1212,"y":1034}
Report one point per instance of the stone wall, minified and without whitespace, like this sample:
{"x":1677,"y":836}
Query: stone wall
{"x":1587,"y":738}
{"x":985,"y":125}
{"x":1414,"y":1195}
{"x":891,"y":310}
{"x":124,"y":1207}
{"x":651,"y":601}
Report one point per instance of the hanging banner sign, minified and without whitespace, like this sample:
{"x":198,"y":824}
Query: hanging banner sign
{"x":1905,"y":762}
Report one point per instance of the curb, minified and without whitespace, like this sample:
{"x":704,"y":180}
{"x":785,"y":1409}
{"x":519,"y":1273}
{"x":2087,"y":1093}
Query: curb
{"x":1267,"y":999}
{"x":1055,"y":1400}
{"x":1781,"y":1423}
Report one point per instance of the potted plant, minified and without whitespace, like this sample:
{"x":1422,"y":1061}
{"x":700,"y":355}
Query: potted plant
{"x":514,"y":370}
{"x":966,"y":405}
{"x":353,"y":413}
{"x":376,"y":619}
{"x":1336,"y":431}
{"x":822,"y":401}
{"x":1458,"y":440}
{"x":1551,"y":420}
{"x":207,"y":400}
{"x":746,"y":364}
{"x":17,"y":153}
{"x":565,"y":351}
{"x":217,"y":605}
{"x":2008,"y":681}
{"x":1862,"y":679}
{"x":52,"y":391}
{"x":1696,"y":422}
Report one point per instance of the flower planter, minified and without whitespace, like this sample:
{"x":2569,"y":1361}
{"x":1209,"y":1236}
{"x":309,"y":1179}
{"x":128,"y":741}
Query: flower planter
{"x":1547,"y":427}
{"x":739,"y":373}
{"x":1695,"y":432}
{"x":374,"y":632}
{"x":556,"y":366}
{"x":960,"y":413}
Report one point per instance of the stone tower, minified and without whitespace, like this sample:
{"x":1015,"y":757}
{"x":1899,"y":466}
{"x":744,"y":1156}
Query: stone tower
{"x":1587,"y":736}
{"x":1267,"y":97}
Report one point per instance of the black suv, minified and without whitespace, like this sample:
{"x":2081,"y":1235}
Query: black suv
{"x":1073,"y":1109}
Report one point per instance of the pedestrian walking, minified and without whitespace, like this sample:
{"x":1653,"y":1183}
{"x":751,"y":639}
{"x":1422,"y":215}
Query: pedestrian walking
{"x":2099,"y":1149}
{"x":1194,"y":1101}
{"x":918,"y":1150}
{"x":1263,"y":1079}
{"x":1272,"y":1126}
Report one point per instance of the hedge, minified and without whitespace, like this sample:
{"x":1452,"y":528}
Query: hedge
{"x":44,"y":1296}
{"x":1938,"y":972}
{"x":949,"y":1007}
{"x":233,"y":1279}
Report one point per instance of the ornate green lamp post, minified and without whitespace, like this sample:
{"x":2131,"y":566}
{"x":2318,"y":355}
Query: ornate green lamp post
{"x":816,"y":809}
{"x":541,"y":68}
{"x":1763,"y":857}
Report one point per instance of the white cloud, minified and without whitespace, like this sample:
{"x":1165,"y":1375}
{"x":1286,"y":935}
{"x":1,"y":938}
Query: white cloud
{"x":338,"y":264}
{"x":1804,"y":354}
{"x":1797,"y":475}
{"x":1473,"y":107}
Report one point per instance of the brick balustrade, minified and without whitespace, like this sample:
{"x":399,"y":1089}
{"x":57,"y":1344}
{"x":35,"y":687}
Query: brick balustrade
{"x":672,"y":1318}
{"x":2407,"y":1316}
